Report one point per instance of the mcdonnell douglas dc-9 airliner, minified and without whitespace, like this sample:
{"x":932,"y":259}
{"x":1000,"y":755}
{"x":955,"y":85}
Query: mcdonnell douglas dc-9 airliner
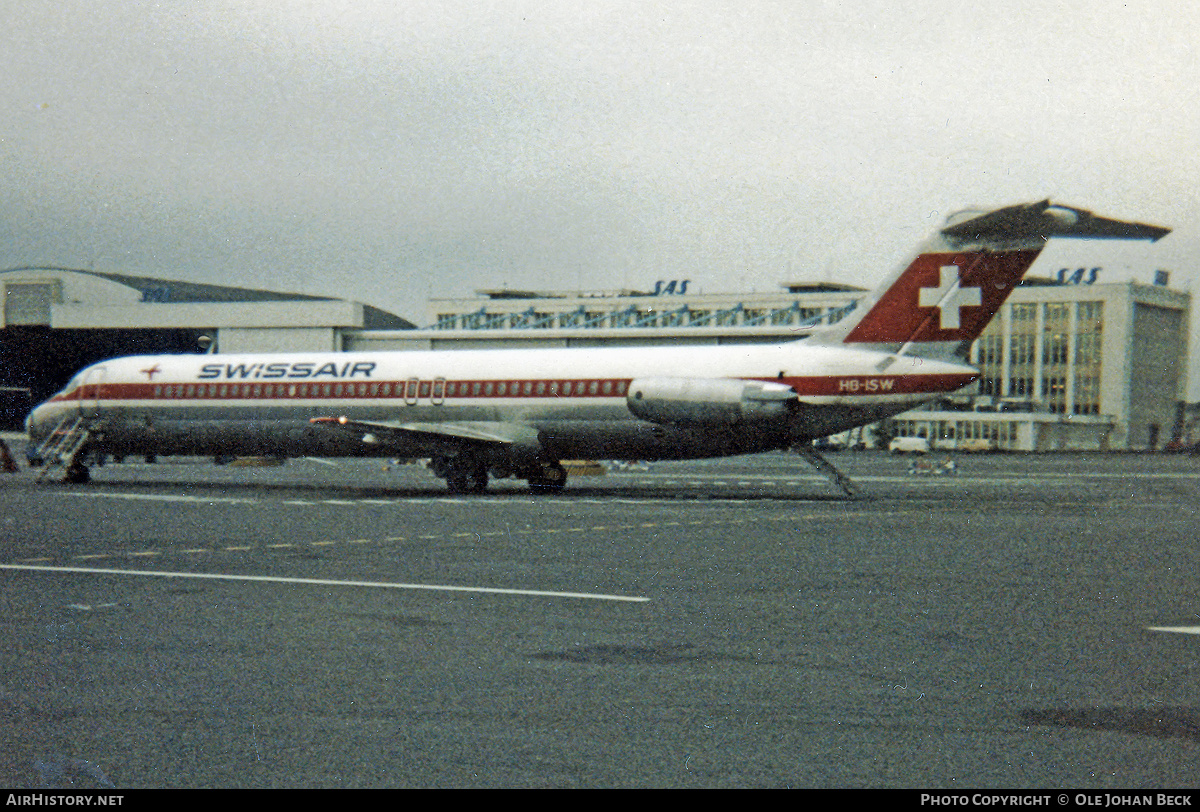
{"x":519,"y":413}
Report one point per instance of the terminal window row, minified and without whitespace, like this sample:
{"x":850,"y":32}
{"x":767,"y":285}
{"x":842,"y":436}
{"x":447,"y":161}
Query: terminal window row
{"x":737,"y":316}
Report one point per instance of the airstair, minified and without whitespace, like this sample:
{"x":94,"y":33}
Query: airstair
{"x":827,"y":468}
{"x":62,"y":446}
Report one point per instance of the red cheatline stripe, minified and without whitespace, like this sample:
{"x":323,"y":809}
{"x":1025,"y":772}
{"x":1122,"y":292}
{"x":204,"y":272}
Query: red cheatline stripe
{"x":816,"y":385}
{"x":398,"y":390}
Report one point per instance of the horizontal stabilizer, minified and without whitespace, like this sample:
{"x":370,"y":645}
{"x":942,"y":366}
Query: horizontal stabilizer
{"x":1041,"y":221}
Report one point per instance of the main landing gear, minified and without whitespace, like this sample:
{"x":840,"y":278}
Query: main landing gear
{"x":464,"y":473}
{"x":468,"y":473}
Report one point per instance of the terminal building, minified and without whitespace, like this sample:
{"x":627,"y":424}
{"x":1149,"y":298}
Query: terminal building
{"x":669,"y":312}
{"x":1071,"y":367}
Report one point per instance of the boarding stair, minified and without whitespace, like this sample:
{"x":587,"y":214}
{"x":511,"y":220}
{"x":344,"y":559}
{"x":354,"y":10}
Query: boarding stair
{"x":62,"y":446}
{"x":827,"y":468}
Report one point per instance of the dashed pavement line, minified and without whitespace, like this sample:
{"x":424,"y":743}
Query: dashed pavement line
{"x":332,"y":543}
{"x":520,"y":531}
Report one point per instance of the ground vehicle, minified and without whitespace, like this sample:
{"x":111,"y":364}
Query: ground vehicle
{"x":909,"y":445}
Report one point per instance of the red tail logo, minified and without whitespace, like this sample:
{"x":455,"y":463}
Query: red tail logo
{"x":950,"y":297}
{"x":943,"y":297}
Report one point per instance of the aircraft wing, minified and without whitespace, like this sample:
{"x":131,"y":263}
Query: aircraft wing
{"x":435,"y":435}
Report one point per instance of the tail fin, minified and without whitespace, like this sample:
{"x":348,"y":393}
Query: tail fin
{"x":946,"y":295}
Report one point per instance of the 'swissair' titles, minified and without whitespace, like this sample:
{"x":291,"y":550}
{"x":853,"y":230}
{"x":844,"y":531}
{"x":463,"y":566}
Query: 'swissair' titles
{"x":283,"y":369}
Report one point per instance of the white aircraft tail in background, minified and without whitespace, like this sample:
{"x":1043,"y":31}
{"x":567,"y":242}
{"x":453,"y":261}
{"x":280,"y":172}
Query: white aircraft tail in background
{"x":498,"y":413}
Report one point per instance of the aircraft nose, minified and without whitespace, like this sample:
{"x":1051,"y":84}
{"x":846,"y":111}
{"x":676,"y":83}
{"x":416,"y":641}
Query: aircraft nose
{"x":36,"y":424}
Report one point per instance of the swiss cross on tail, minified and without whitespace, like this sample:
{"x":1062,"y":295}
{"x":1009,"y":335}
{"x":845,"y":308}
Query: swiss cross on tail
{"x":949,"y":297}
{"x":943,"y":297}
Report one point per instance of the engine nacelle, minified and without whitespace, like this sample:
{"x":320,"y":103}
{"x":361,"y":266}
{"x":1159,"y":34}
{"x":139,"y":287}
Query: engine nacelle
{"x":709,"y":401}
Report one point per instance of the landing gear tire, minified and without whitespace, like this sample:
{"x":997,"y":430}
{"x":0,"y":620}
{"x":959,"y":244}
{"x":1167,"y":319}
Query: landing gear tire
{"x":77,"y":474}
{"x":470,"y":478}
{"x":551,"y":480}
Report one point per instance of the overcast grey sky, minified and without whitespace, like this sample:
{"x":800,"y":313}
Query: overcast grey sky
{"x":392,"y":151}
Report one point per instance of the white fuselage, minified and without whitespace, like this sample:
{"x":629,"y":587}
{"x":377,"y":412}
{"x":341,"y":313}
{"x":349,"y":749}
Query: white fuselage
{"x":578,"y":401}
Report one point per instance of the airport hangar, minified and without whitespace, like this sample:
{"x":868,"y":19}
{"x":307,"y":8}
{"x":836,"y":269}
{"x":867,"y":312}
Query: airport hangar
{"x":1082,"y":360}
{"x":55,"y":321}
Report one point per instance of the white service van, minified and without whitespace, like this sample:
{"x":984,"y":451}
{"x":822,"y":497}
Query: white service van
{"x":909,"y":445}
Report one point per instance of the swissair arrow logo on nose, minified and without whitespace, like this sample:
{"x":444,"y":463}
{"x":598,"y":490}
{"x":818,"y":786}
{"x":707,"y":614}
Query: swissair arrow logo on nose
{"x":949,"y":298}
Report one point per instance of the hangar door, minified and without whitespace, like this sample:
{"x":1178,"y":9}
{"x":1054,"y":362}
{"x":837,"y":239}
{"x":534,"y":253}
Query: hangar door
{"x":29,"y":302}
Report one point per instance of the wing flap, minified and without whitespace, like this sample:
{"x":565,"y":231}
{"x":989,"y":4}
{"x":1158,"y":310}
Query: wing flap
{"x":486,"y":434}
